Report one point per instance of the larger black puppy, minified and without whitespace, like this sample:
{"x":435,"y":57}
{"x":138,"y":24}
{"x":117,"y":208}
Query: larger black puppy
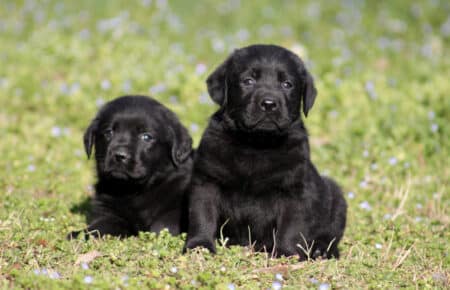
{"x":252,"y":171}
{"x":144,"y":162}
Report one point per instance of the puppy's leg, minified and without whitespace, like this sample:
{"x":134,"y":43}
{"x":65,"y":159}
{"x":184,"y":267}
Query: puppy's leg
{"x":110,"y":225}
{"x":294,"y":231}
{"x":170,"y":220}
{"x":74,"y":234}
{"x":203,"y":217}
{"x":104,"y":225}
{"x":338,"y":218}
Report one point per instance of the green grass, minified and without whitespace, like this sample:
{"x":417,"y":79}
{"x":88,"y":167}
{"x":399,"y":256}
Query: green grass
{"x":380,"y":126}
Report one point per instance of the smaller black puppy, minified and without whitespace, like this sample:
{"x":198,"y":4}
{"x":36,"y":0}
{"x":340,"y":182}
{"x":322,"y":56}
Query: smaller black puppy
{"x":253,"y":177}
{"x":144,"y":158}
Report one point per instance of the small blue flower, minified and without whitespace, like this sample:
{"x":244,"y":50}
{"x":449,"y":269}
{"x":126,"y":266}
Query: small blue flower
{"x":286,"y":31}
{"x":266,"y":30}
{"x":242,"y":34}
{"x":127,"y":86}
{"x":64,"y":89}
{"x":84,"y":266}
{"x":173,"y":270}
{"x":434,"y":127}
{"x":218,"y":45}
{"x":445,"y":28}
{"x":427,"y":50}
{"x":173,"y":99}
{"x":383,"y":43}
{"x":31,"y":168}
{"x":279,"y":276}
{"x":75,"y":87}
{"x":365,"y":205}
{"x":324,"y":286}
{"x":351,"y":195}
{"x":88,"y":279}
{"x":54,"y":275}
{"x":156,"y":89}
{"x":333,"y":114}
{"x":18,"y":92}
{"x":387,"y":216}
{"x":56,"y":131}
{"x":314,"y":280}
{"x":3,"y":82}
{"x":37,"y":271}
{"x":85,"y":34}
{"x":363,"y":184}
{"x":200,"y":68}
{"x":276,"y":285}
{"x":194,"y":127}
{"x":44,"y":271}
{"x":370,"y":89}
{"x":204,"y":98}
{"x":378,"y":246}
{"x":99,"y":102}
{"x":231,"y":286}
{"x":105,"y":85}
{"x":392,"y":160}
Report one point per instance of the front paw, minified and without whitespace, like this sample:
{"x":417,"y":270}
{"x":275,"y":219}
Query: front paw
{"x":84,"y":234}
{"x":199,"y":242}
{"x":285,"y":252}
{"x":326,"y":253}
{"x":74,"y":235}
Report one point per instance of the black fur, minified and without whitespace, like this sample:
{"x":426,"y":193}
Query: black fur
{"x":252,"y":171}
{"x":144,"y":159}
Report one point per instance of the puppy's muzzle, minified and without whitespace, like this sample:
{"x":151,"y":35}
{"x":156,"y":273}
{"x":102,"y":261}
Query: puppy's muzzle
{"x":121,"y":156}
{"x":268,"y":105}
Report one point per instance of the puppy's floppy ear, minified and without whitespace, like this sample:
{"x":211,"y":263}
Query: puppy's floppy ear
{"x":309,"y":93}
{"x":181,"y":143}
{"x":217,"y":83}
{"x":89,"y":137}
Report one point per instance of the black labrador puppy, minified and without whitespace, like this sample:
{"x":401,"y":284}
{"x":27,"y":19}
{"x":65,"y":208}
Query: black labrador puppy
{"x":144,"y":160}
{"x":253,"y":181}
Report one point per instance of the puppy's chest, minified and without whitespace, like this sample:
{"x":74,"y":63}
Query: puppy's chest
{"x":257,"y":171}
{"x":241,"y":217}
{"x":138,"y":209}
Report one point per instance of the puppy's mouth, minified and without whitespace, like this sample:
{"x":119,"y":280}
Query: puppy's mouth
{"x":265,"y":124}
{"x":118,"y":174}
{"x":121,"y":173}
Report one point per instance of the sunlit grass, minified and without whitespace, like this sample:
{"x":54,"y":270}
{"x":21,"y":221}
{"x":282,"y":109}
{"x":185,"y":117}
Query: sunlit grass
{"x":380,"y":127}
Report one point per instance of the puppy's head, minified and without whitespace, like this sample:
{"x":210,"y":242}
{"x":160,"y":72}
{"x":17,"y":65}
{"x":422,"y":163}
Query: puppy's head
{"x":136,"y":138}
{"x":260,"y":89}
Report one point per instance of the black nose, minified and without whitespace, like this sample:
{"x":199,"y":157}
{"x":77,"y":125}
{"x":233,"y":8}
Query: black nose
{"x":121,"y":156}
{"x":268,"y":105}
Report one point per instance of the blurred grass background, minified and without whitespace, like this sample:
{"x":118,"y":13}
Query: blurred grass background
{"x":380,"y":126}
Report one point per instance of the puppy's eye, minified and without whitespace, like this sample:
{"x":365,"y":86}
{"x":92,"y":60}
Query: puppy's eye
{"x":146,"y":137}
{"x":108,"y":133}
{"x":248,"y":82}
{"x":286,"y":85}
